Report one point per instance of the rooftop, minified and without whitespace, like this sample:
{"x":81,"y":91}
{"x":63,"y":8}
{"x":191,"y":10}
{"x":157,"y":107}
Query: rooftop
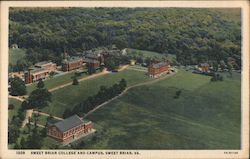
{"x":160,"y":64}
{"x":204,"y":64}
{"x":72,"y":59}
{"x":87,"y":60}
{"x":43,"y":63}
{"x":90,"y":55}
{"x":68,"y":123}
{"x":38,"y":70}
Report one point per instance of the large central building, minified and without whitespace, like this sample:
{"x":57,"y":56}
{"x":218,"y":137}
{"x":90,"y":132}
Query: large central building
{"x":155,"y":70}
{"x":72,"y":63}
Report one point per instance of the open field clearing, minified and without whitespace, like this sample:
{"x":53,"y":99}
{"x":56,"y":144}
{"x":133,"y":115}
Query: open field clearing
{"x":15,"y":54}
{"x":69,"y":96}
{"x":206,"y":115}
{"x":150,"y":54}
{"x":55,"y":81}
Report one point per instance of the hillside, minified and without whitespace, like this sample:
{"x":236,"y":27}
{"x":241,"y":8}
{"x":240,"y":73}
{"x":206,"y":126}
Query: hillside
{"x":205,"y":116}
{"x":193,"y":35}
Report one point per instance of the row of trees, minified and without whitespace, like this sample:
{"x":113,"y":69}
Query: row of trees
{"x":193,"y":35}
{"x":91,"y":102}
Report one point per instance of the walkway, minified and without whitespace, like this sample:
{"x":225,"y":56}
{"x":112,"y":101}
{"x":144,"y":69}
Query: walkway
{"x":46,"y":114}
{"x":104,"y":72}
{"x":39,"y":125}
{"x":27,"y":116}
{"x":19,"y":98}
{"x":30,"y":111}
{"x":127,"y":89}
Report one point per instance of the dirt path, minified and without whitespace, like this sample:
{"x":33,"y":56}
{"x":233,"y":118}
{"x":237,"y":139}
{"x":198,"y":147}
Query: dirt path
{"x":127,"y":89}
{"x":17,"y":98}
{"x":46,"y":114}
{"x":39,"y":125}
{"x":104,"y":72}
{"x":27,"y":116}
{"x":136,"y":69}
{"x":82,"y":79}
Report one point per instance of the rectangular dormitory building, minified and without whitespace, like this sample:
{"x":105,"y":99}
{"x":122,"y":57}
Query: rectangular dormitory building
{"x":155,"y":70}
{"x":69,"y":129}
{"x":40,"y":70}
{"x":72,"y":63}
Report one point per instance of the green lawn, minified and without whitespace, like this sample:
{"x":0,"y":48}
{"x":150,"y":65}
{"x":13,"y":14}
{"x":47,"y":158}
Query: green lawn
{"x":55,"y":81}
{"x":16,"y":54}
{"x":150,"y":54}
{"x":205,"y":116}
{"x":69,"y":96}
{"x":42,"y":119}
{"x":17,"y":105}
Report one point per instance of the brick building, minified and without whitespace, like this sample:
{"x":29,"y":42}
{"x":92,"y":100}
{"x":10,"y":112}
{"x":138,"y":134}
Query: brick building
{"x":204,"y":67}
{"x":94,"y":63}
{"x":34,"y":74}
{"x":40,"y":71}
{"x":72,"y":63}
{"x":95,"y":56}
{"x":69,"y":129}
{"x":50,"y":66}
{"x":155,"y":70}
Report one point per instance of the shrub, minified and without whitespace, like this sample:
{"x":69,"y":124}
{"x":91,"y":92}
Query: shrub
{"x":75,"y":81}
{"x":11,"y":106}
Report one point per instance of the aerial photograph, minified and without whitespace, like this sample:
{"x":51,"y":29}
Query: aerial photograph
{"x":124,"y":78}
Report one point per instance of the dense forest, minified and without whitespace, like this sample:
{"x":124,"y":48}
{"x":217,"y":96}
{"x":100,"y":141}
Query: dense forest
{"x":193,"y":35}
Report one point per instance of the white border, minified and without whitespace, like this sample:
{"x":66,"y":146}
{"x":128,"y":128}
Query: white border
{"x":244,"y":5}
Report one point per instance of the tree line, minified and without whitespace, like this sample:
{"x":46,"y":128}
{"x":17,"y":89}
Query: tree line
{"x":103,"y":95}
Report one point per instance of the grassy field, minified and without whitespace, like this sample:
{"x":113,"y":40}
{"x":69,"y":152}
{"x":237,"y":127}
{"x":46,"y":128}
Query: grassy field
{"x":55,"y":81}
{"x":150,"y":54}
{"x":69,"y":96}
{"x":17,"y":105}
{"x":15,"y":54}
{"x":205,"y":116}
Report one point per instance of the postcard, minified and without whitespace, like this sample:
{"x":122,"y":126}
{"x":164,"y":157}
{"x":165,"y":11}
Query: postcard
{"x":124,"y":79}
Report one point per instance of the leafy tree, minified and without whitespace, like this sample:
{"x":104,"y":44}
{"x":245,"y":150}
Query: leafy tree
{"x":123,"y":83}
{"x":24,"y":105}
{"x":17,"y":146}
{"x":230,"y":68}
{"x":39,"y":98}
{"x":13,"y":133}
{"x":17,"y":87}
{"x":21,"y":114}
{"x":34,"y":140}
{"x":23,"y":143}
{"x":75,"y":81}
{"x":91,"y":69}
{"x":196,"y":41}
{"x":40,"y":84}
{"x":67,"y":113}
{"x":110,"y":64}
{"x":11,"y":106}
